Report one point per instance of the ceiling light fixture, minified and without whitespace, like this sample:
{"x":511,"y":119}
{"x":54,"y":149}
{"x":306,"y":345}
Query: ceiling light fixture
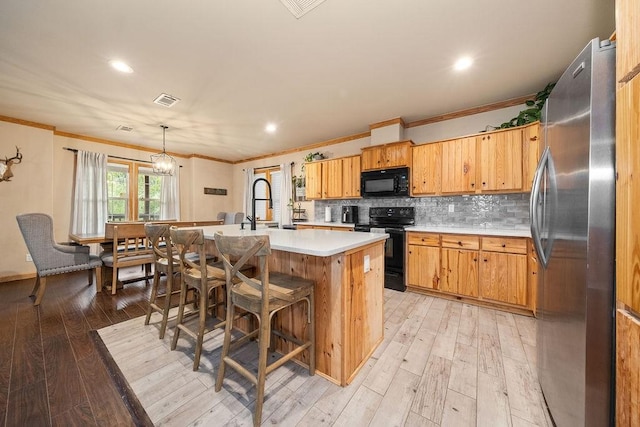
{"x":463,"y":63}
{"x":271,"y":128}
{"x":163,"y":163}
{"x":121,"y":66}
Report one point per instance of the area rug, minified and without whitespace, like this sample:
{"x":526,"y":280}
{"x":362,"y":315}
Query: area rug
{"x":160,"y":387}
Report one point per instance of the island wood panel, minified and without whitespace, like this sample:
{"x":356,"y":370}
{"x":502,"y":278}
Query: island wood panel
{"x":627,"y":39}
{"x":340,"y":352}
{"x":459,"y":165}
{"x":426,"y":170}
{"x":364,"y":304}
{"x":627,"y":409}
{"x":503,"y":277}
{"x":500,"y":156}
{"x":628,"y":191}
{"x":531,"y":152}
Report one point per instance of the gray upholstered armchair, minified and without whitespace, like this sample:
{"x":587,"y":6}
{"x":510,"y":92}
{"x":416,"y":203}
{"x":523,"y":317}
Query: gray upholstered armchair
{"x":51,"y":258}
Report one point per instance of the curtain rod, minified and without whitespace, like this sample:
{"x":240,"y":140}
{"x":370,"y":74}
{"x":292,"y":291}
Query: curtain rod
{"x":75,"y":150}
{"x":272,"y":166}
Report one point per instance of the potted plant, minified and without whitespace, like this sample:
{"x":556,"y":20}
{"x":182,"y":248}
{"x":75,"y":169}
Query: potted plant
{"x":313,"y":156}
{"x":531,"y":114}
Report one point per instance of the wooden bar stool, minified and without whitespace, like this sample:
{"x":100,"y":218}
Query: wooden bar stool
{"x":160,"y":240}
{"x":263,"y":297}
{"x":198,"y":275}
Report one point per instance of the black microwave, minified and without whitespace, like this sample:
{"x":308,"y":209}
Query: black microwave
{"x":385,"y":183}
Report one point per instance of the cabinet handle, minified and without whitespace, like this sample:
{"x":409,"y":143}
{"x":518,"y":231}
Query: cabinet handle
{"x":460,"y":243}
{"x":484,"y":183}
{"x":476,"y":259}
{"x":473,"y":184}
{"x":485,"y":260}
{"x":504,"y":245}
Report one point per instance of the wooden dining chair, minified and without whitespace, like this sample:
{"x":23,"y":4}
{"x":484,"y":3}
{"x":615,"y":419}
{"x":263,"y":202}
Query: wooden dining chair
{"x":263,"y":297}
{"x":197,"y":275}
{"x":165,"y":262}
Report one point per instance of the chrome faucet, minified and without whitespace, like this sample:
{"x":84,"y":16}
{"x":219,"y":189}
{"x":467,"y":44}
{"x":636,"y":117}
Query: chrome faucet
{"x":253,"y":201}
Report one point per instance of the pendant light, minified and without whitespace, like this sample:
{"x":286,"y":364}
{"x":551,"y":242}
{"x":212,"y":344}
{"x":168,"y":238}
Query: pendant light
{"x":163,"y":163}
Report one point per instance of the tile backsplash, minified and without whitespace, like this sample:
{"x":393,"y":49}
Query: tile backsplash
{"x":483,"y":211}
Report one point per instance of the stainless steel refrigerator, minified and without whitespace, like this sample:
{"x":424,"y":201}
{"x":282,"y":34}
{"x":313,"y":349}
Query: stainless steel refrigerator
{"x":573,"y":227}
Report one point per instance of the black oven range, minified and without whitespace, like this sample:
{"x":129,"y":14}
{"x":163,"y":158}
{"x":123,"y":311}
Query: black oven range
{"x":391,"y":220}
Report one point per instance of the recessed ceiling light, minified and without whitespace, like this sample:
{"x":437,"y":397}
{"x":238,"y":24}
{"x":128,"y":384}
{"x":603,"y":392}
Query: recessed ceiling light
{"x":271,"y":128}
{"x":463,"y":63}
{"x":120,"y":66}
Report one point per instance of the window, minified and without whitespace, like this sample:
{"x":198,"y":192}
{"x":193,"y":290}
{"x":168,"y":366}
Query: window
{"x":129,"y":198}
{"x":273,"y":175}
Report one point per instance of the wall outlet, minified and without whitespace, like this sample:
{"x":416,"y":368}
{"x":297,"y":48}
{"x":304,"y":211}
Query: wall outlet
{"x":451,"y":208}
{"x":28,"y":258}
{"x":367,"y":263}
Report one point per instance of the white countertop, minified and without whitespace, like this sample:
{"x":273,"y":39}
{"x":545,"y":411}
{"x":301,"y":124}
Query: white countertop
{"x":481,"y":231}
{"x":326,"y":224}
{"x":309,"y":242}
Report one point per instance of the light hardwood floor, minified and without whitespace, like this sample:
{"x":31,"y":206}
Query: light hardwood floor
{"x":441,"y":363}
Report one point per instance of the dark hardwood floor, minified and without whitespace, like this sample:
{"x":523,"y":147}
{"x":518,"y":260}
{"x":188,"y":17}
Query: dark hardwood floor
{"x":51,"y":373}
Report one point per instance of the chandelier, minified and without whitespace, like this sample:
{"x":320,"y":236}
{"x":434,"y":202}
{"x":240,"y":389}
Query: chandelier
{"x":163,"y":163}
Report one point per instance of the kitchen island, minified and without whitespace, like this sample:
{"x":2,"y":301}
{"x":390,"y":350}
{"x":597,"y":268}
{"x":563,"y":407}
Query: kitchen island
{"x":348,"y":271}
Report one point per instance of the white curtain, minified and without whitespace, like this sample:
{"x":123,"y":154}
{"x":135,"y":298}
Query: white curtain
{"x":248,"y":182}
{"x":286,"y":193}
{"x":170,"y":196}
{"x":90,"y":194}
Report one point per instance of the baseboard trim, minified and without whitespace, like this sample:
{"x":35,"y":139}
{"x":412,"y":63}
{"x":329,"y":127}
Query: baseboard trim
{"x":15,"y":277}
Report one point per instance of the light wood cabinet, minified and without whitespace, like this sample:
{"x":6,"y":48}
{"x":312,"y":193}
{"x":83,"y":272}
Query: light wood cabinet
{"x":500,"y":156}
{"x":459,"y":165}
{"x":313,"y":180}
{"x":322,"y":227}
{"x":351,"y":177}
{"x":627,"y":368}
{"x":393,"y":155}
{"x":423,"y":259}
{"x":627,"y":39}
{"x":460,"y":272}
{"x":495,"y":271}
{"x":531,"y":152}
{"x":426,"y":169}
{"x":333,"y":179}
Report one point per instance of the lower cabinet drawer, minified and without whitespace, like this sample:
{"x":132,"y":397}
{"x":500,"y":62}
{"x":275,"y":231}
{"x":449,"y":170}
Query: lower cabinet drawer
{"x":459,"y":241}
{"x":504,"y":244}
{"x":425,"y":239}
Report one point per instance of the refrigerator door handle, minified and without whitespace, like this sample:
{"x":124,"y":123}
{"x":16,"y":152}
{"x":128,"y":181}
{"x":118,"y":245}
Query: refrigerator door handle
{"x":533,"y":207}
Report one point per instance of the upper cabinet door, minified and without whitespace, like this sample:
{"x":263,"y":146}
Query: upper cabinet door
{"x":531,"y":151}
{"x":351,"y":177}
{"x":332,"y":179}
{"x":459,"y":165}
{"x":426,"y":169}
{"x":501,"y":161}
{"x":313,"y":180}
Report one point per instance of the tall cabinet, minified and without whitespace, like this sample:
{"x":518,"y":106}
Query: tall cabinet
{"x":627,"y":214}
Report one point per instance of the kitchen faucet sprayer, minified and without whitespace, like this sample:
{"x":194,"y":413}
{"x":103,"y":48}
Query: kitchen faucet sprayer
{"x":254,"y":200}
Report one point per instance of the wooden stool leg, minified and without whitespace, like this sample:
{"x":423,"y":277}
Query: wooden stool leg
{"x":153,"y":296}
{"x":263,"y":347}
{"x":202,"y":314}
{"x":114,"y":281}
{"x":183,"y":301}
{"x":167,"y":305}
{"x":226,"y":343}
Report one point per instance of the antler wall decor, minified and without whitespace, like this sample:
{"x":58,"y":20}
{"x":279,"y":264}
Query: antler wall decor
{"x":5,"y":165}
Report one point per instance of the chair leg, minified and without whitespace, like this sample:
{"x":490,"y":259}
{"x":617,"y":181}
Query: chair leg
{"x":40,"y":294}
{"x":114,"y":280}
{"x":35,"y":286}
{"x":90,"y":272}
{"x":226,"y":343}
{"x":183,"y":302}
{"x":98,"y":279}
{"x":263,"y":347}
{"x":153,"y":296}
{"x":202,"y":314}
{"x":167,"y":305}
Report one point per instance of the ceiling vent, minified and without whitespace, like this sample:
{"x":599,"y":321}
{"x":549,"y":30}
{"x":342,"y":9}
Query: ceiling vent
{"x":166,"y":100}
{"x":300,"y":7}
{"x":124,"y":128}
